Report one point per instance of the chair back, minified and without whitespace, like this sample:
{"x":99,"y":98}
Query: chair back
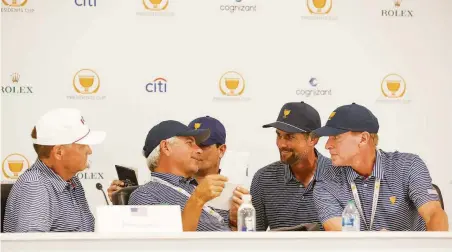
{"x":5,"y":189}
{"x":122,"y":196}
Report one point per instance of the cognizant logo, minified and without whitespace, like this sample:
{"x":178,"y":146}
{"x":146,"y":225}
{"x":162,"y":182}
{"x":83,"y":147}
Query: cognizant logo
{"x":234,"y":8}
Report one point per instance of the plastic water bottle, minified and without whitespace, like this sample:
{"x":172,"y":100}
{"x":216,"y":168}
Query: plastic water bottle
{"x":246,"y":215}
{"x":350,"y":217}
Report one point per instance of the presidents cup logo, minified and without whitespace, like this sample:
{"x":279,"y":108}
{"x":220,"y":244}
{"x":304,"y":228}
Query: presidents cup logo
{"x":155,"y":5}
{"x":86,"y":84}
{"x":232,"y":84}
{"x":16,"y":6}
{"x":393,"y":86}
{"x":315,"y":90}
{"x":155,"y":8}
{"x":319,"y":10}
{"x":232,"y":88}
{"x":319,"y":6}
{"x":86,"y":81}
{"x":16,"y":87}
{"x":14,"y":165}
{"x":397,"y":10}
{"x":15,"y":3}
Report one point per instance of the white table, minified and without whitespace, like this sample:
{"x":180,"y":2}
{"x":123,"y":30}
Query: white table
{"x":230,"y":241}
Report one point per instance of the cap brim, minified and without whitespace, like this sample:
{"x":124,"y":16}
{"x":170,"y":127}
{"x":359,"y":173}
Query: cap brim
{"x":207,"y":142}
{"x":285,"y":127}
{"x":93,"y":137}
{"x":328,"y":131}
{"x":200,"y":135}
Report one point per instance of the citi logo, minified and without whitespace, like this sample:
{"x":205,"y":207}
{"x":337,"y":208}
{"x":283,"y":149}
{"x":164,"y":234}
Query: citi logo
{"x":159,"y":85}
{"x":85,"y":3}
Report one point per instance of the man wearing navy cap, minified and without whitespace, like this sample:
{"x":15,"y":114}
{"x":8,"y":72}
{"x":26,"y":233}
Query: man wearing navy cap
{"x":391,"y":190}
{"x":282,"y":192}
{"x":213,"y":148}
{"x":173,"y":155}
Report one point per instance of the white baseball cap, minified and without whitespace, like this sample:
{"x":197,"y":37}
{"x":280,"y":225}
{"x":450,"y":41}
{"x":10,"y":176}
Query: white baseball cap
{"x":65,"y":126}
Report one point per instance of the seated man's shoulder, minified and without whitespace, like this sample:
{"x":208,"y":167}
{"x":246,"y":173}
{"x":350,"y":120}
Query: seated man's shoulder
{"x":32,"y":176}
{"x":325,"y":169}
{"x":147,"y":193}
{"x":399,"y":159}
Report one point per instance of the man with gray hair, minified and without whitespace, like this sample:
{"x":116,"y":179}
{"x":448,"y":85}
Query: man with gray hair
{"x":173,"y":156}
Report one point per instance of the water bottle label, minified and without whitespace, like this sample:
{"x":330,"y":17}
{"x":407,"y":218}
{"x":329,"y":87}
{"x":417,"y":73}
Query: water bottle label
{"x":248,"y":225}
{"x":350,"y":221}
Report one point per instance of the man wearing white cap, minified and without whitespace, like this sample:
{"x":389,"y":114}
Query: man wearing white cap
{"x":48,"y":197}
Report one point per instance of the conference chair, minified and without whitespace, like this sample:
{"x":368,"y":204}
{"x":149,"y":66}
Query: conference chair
{"x":439,"y":195}
{"x":5,"y":189}
{"x":122,"y":196}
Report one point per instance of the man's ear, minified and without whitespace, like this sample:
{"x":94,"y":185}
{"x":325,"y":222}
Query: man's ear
{"x":364,"y":138}
{"x":313,"y":140}
{"x":57,"y":152}
{"x":222,"y":150}
{"x":165,"y":148}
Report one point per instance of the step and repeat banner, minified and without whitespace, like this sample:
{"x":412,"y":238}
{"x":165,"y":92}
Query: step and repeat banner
{"x":129,"y":64}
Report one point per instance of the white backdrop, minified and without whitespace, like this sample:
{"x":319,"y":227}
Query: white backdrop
{"x":280,"y":49}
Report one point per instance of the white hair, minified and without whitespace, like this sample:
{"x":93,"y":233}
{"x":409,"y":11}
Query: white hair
{"x":152,"y":160}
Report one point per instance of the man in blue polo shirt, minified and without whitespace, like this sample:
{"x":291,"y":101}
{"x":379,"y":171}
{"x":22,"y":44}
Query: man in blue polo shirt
{"x":392,"y":190}
{"x":213,"y":148}
{"x":173,"y":156}
{"x":48,"y":197}
{"x":282,"y":192}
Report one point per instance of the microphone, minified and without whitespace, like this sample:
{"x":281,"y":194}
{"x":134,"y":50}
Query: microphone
{"x":99,"y":187}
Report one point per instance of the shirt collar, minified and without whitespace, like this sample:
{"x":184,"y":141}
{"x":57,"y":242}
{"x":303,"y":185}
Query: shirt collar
{"x":57,"y":182}
{"x":288,"y":175}
{"x":174,"y":179}
{"x":377,"y":171}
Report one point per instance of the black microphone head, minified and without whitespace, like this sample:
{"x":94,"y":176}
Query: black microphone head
{"x":99,"y":186}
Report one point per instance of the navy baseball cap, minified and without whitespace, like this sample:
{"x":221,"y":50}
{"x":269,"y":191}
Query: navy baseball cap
{"x":347,"y":118}
{"x":168,"y":129}
{"x":297,"y":117}
{"x":217,"y":130}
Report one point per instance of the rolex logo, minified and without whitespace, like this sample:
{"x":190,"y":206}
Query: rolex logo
{"x":15,"y":87}
{"x":15,"y":78}
{"x":397,"y":3}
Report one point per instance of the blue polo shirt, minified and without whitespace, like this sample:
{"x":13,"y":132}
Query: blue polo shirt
{"x":41,"y":201}
{"x":405,"y":186}
{"x":281,"y":200}
{"x":154,"y":193}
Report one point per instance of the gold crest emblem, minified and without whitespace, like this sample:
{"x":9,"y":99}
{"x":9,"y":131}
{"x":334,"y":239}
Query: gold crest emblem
{"x":197,"y":125}
{"x":286,"y":113}
{"x":332,"y":115}
{"x":392,"y":199}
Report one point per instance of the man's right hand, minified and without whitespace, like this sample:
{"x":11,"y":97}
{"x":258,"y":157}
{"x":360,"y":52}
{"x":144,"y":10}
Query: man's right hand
{"x":210,"y":188}
{"x":115,"y":186}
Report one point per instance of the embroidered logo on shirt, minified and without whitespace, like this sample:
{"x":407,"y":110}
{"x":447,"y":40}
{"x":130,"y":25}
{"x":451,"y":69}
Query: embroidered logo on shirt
{"x":392,"y":199}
